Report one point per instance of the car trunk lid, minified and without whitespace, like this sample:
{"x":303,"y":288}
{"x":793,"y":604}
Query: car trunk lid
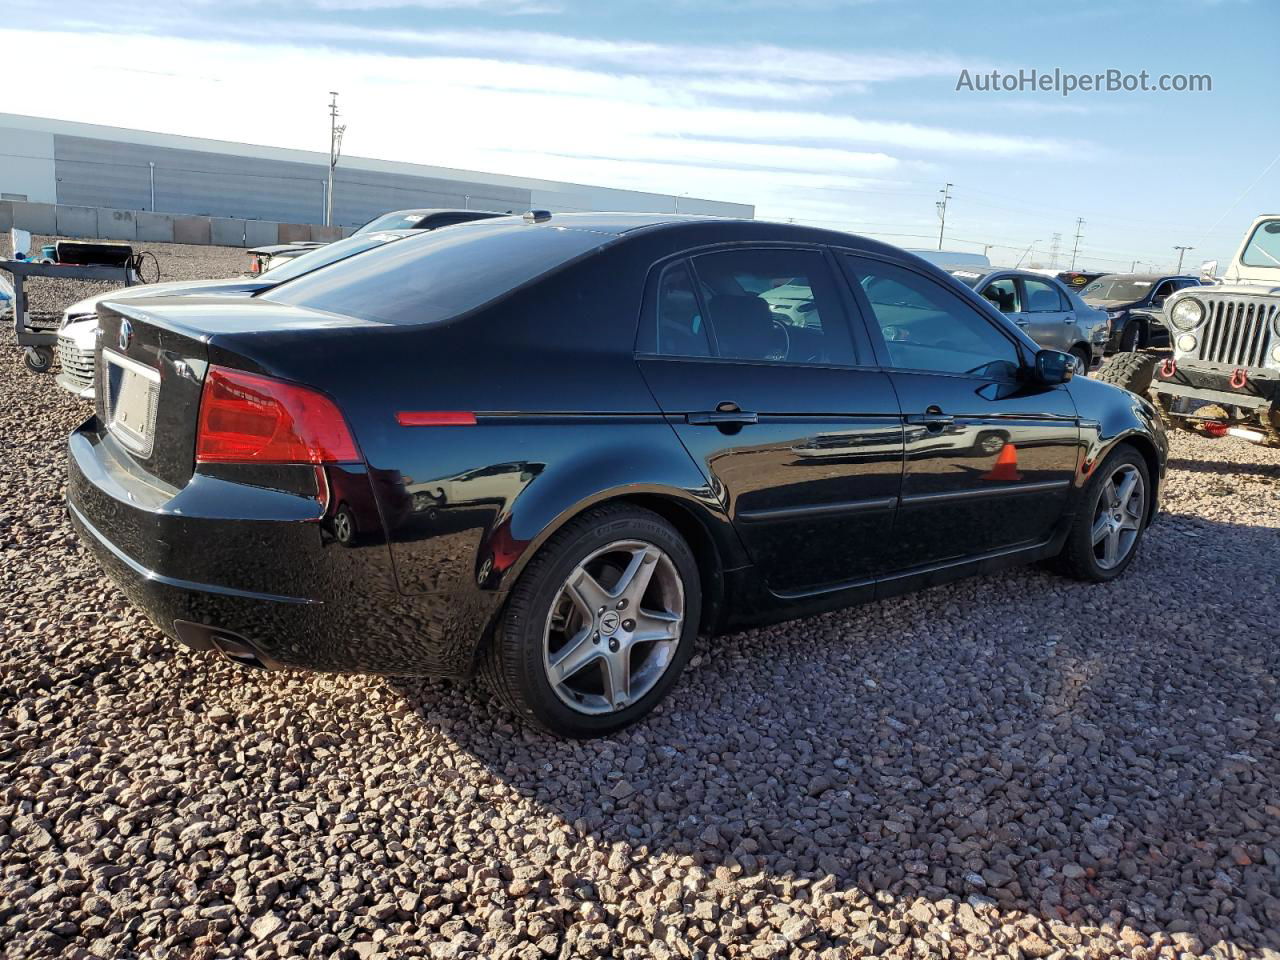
{"x":151,"y":361}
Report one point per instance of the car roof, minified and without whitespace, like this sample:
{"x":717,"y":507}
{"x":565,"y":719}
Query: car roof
{"x":1145,"y":276}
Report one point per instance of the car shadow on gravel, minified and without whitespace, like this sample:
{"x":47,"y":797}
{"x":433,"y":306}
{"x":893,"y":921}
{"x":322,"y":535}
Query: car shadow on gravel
{"x":1079,"y":753}
{"x":1223,"y":468}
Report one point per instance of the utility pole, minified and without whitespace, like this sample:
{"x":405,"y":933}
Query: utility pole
{"x":1024,"y":253}
{"x":1181,"y":251}
{"x":942,"y":211}
{"x":1053,"y":251}
{"x":1076,"y":249}
{"x":336,"y":130}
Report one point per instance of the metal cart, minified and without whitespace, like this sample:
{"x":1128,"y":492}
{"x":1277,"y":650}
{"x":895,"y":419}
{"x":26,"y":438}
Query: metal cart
{"x":38,"y":344}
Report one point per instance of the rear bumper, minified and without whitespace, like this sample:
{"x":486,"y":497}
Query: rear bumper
{"x":225,"y":565}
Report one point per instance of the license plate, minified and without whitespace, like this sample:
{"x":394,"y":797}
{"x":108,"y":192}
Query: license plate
{"x":132,"y":391}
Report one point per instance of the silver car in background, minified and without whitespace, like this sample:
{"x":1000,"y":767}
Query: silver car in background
{"x":1051,"y":314}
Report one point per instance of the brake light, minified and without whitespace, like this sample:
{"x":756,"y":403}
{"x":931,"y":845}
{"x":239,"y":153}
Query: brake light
{"x":248,"y":418}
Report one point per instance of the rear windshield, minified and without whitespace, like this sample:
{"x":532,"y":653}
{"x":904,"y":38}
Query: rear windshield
{"x":391,"y":221}
{"x":439,"y":274}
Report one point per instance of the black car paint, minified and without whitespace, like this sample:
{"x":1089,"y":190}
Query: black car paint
{"x":568,"y":415}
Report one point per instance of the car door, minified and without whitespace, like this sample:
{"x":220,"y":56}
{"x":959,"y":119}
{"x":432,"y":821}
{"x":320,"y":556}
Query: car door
{"x":990,"y":456}
{"x":801,"y":442}
{"x":1047,"y":314}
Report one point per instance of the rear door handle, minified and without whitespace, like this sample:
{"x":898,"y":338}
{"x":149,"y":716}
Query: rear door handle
{"x":722,"y":418}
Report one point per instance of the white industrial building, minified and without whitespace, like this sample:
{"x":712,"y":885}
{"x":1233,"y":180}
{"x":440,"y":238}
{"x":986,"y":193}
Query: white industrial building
{"x":85,"y":165}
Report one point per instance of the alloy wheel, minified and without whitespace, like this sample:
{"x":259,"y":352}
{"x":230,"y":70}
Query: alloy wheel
{"x":614,"y":627}
{"x":1118,"y":516}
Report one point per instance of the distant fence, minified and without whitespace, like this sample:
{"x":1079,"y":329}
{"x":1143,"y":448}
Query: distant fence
{"x":141,"y":226}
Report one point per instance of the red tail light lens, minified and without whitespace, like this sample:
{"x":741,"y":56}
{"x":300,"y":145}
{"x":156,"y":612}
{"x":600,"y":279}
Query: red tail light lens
{"x":247,"y":418}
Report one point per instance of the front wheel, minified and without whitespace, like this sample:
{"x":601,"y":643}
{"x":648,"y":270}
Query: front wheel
{"x":1107,"y":530}
{"x":600,"y":624}
{"x":1083,"y":358}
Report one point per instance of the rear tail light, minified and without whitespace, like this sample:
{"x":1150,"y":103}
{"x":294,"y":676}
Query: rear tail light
{"x":248,"y":418}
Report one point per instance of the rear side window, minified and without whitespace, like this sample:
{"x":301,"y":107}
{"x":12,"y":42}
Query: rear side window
{"x":774,"y":304}
{"x":440,"y":274}
{"x":681,"y":329}
{"x":1042,"y":297}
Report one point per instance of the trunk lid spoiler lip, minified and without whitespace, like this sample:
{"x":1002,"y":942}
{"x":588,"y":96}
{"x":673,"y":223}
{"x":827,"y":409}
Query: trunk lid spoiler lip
{"x":204,"y":318}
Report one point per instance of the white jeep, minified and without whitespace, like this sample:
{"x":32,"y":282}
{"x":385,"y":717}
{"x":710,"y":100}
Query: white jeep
{"x":1223,"y":376}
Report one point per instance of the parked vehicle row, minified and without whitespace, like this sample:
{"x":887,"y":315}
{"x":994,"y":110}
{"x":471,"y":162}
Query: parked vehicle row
{"x":552,"y":449}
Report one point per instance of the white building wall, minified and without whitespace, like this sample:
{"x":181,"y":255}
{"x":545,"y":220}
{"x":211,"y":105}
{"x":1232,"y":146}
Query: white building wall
{"x":91,"y":165}
{"x":27,"y":165}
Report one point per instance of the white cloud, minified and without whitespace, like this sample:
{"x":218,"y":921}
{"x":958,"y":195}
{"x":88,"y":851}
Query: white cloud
{"x":581,"y":119}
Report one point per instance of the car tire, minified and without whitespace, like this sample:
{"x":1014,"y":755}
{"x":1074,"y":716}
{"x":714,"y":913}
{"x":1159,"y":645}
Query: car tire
{"x":1132,"y":371}
{"x":1084,"y":358}
{"x":1106,"y":532}
{"x":1130,"y":336}
{"x":545,"y":618}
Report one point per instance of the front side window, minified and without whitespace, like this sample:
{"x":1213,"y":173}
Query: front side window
{"x":928,"y":327}
{"x":1003,"y":294}
{"x":1042,"y":297}
{"x":773,"y":304}
{"x":1263,"y":248}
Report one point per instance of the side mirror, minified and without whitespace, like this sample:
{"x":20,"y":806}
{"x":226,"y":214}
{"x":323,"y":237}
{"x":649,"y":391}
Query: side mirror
{"x":1208,"y":270}
{"x":1054,"y":367}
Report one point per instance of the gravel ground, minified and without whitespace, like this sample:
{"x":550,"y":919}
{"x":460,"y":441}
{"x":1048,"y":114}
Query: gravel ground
{"x":1011,"y":766}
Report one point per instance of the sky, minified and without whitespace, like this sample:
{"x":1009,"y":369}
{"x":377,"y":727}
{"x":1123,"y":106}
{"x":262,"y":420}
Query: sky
{"x":840,"y":113}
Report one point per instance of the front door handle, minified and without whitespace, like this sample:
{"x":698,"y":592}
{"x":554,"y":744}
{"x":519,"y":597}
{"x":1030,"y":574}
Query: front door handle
{"x":933,"y":419}
{"x":1022,"y":322}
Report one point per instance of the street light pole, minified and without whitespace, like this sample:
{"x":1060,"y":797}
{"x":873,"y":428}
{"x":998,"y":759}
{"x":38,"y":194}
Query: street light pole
{"x":1181,"y":251}
{"x":153,"y":185}
{"x":942,"y":211}
{"x":336,"y":130}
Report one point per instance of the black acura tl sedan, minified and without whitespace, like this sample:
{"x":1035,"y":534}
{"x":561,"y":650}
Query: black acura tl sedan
{"x":553,"y":449}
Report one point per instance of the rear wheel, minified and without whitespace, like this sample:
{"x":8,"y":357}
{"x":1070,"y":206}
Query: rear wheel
{"x":1107,"y":530}
{"x":1133,"y":371}
{"x":600,"y":624}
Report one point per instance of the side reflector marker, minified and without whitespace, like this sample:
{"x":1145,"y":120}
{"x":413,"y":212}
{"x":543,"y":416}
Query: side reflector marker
{"x":435,"y":418}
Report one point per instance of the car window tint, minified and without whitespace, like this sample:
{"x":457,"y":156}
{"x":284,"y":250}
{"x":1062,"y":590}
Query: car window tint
{"x":681,"y":330}
{"x":928,"y":327}
{"x":440,"y":273}
{"x":1003,"y":294}
{"x":774,"y":304}
{"x":1042,"y":297}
